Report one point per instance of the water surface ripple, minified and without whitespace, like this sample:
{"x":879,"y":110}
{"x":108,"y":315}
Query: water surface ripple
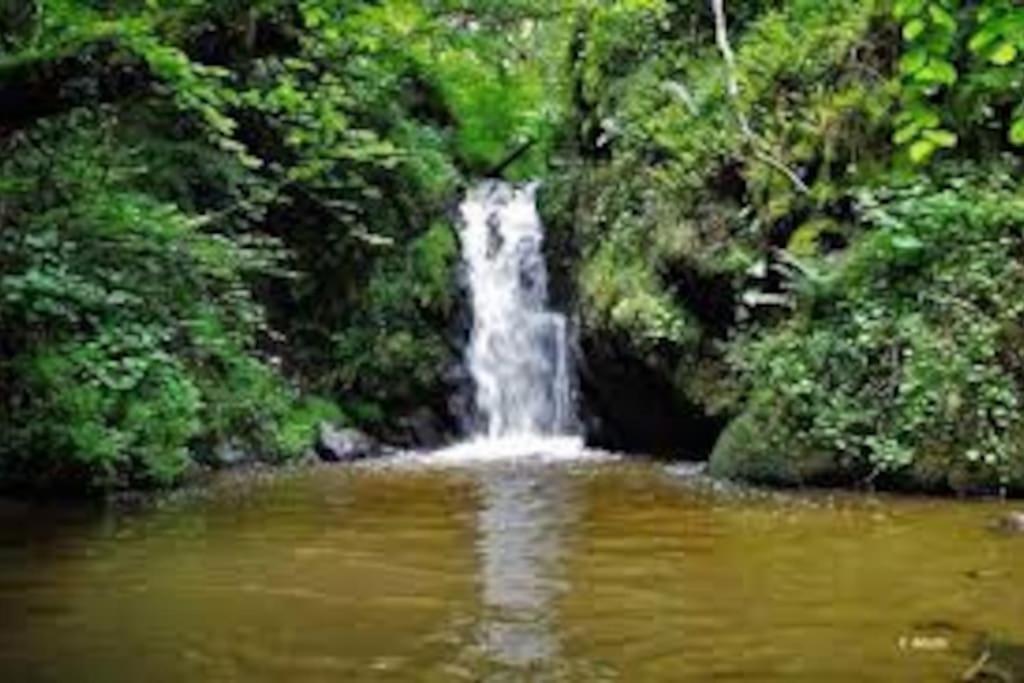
{"x":556,"y":570}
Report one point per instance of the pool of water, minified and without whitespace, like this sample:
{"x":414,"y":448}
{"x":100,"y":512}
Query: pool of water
{"x":574,"y":570}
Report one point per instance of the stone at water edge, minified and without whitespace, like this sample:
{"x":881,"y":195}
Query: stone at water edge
{"x":230,"y":454}
{"x":344,"y":445}
{"x":420,"y":430}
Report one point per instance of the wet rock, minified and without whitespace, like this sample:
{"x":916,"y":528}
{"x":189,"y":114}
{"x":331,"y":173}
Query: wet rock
{"x":230,"y":454}
{"x":344,"y":445}
{"x":743,"y":454}
{"x":421,"y":429}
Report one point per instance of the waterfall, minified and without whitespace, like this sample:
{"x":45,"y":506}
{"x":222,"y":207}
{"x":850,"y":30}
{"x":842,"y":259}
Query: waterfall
{"x":518,"y":351}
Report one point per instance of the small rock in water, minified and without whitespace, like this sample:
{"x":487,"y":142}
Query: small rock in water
{"x":344,"y":445}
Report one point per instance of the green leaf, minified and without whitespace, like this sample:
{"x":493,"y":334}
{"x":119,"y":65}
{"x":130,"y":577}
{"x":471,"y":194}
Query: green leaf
{"x":941,"y":17}
{"x":905,"y":134}
{"x":919,"y":113}
{"x":914,"y":60}
{"x":913,"y":29}
{"x":921,"y":151}
{"x":937,"y":71}
{"x":906,"y":243}
{"x":982,"y":39}
{"x":1017,"y":132}
{"x":1003,"y":55}
{"x":905,"y":8}
{"x":941,"y":138}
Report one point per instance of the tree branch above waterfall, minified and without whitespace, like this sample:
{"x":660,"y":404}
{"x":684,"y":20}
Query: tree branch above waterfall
{"x":512,"y":157}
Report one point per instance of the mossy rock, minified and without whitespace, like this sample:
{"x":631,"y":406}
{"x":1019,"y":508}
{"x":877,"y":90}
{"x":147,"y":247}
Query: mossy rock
{"x":748,"y":451}
{"x":939,"y":470}
{"x":745,"y":451}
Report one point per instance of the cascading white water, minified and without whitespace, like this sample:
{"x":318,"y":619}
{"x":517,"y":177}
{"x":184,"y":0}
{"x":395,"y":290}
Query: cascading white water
{"x":518,"y":352}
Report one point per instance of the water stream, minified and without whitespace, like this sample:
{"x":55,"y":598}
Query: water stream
{"x":518,"y":351}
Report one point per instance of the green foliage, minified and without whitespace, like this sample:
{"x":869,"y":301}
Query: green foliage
{"x":623,"y":294}
{"x":115,"y":405}
{"x":298,"y":426}
{"x":906,"y":367}
{"x":496,"y":68}
{"x":396,"y":349}
{"x":941,"y":91}
{"x":619,"y":37}
{"x":109,"y":299}
{"x":211,"y":209}
{"x":674,"y":199}
{"x":926,"y":68}
{"x":871,"y":333}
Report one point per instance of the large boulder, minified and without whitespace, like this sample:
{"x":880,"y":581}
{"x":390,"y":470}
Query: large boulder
{"x":335,"y":444}
{"x":746,"y":452}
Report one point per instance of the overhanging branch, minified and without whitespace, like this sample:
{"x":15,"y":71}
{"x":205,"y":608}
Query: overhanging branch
{"x":512,"y":157}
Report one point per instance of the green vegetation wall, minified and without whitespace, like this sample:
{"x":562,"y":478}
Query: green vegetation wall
{"x":804,"y":216}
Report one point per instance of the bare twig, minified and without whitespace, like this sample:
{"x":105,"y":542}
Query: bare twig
{"x":515,"y":155}
{"x":733,"y":89}
{"x":975,"y":669}
{"x":722,"y":38}
{"x":777,"y":164}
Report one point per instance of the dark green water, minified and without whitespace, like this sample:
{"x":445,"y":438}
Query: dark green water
{"x":574,"y":572}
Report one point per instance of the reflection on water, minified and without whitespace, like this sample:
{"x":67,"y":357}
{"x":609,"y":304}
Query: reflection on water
{"x":503,"y":572}
{"x":524,"y":512}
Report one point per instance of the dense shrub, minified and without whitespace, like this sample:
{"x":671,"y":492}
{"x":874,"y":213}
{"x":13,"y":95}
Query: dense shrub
{"x":123,"y":315}
{"x":399,"y":348}
{"x":902,"y":364}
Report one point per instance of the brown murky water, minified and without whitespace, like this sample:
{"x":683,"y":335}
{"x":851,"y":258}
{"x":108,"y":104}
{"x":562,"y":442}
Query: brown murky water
{"x":514,"y":572}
